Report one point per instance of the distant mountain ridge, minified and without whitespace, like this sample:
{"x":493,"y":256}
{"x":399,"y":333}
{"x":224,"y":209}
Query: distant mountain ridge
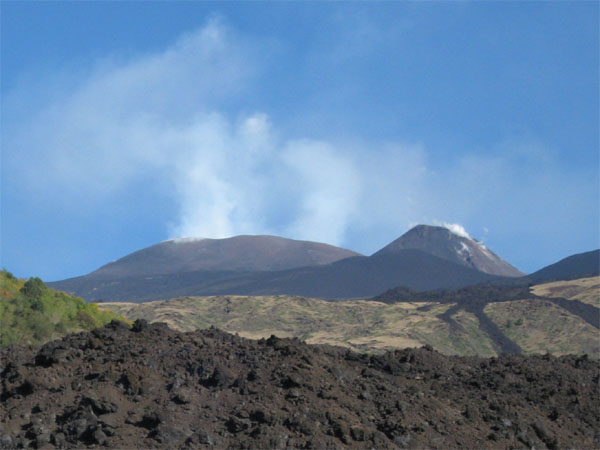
{"x":424,"y":258}
{"x":574,"y":266}
{"x":354,"y":277}
{"x":269,"y":265}
{"x":446,"y":244}
{"x":239,"y":253}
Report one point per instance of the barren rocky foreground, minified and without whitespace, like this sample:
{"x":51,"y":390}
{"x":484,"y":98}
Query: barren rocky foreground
{"x":152,"y":387}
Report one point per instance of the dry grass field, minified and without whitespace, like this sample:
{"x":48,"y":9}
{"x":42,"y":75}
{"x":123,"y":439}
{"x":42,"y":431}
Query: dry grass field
{"x":536,"y":325}
{"x":539,"y":326}
{"x":361,"y":325}
{"x":586,"y":290}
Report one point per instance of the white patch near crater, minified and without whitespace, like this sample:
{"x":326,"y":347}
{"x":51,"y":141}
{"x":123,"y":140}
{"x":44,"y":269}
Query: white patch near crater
{"x":457,"y":229}
{"x":184,"y":240}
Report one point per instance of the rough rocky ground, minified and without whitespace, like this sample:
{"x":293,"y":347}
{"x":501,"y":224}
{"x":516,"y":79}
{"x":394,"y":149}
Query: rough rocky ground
{"x":152,"y":387}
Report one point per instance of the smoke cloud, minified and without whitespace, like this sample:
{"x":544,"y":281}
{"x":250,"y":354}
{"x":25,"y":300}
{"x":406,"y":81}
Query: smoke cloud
{"x":455,"y":228}
{"x":163,"y":124}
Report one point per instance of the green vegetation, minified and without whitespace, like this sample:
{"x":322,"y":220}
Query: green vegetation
{"x":31,"y":313}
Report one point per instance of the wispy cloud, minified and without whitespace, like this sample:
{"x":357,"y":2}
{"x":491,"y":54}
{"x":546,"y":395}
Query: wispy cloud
{"x":328,"y":184}
{"x":159,"y":117}
{"x":166,"y":119}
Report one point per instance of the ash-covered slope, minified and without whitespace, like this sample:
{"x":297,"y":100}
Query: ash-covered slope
{"x":238,"y":253}
{"x":267,"y":265}
{"x":196,"y":266}
{"x":152,"y":387}
{"x":574,"y":266}
{"x":455,"y":246}
{"x":355,"y":277}
{"x":359,"y":277}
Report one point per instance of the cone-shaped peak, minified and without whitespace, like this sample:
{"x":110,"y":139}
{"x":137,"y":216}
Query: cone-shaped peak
{"x":454,"y":244}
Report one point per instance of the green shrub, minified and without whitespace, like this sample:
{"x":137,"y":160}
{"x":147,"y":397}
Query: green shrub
{"x":41,"y":328}
{"x":8,"y":275}
{"x":86,"y":320}
{"x":36,"y":304}
{"x":33,"y":289}
{"x":32,"y":313}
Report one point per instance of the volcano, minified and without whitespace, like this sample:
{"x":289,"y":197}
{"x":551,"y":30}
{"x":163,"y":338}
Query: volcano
{"x":454,"y":245}
{"x":424,"y":258}
{"x":238,"y":254}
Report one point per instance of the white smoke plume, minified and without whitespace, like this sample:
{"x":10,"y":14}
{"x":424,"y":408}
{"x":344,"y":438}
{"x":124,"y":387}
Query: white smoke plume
{"x":160,"y":128}
{"x":455,"y":228}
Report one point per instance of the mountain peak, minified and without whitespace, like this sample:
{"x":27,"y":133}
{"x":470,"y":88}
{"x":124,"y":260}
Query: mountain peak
{"x":238,"y":253}
{"x":453,"y":243}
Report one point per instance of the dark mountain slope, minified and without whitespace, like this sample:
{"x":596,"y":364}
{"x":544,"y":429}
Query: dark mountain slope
{"x":487,"y":292}
{"x":445,"y":244}
{"x":362,"y":277}
{"x":502,"y":288}
{"x":239,"y":253}
{"x":424,"y":258}
{"x":144,"y":288}
{"x":575,"y":266}
{"x":359,"y":276}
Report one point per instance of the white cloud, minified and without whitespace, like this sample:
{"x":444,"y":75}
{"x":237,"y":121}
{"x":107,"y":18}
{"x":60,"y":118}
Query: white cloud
{"x":329,"y":183}
{"x":159,"y":119}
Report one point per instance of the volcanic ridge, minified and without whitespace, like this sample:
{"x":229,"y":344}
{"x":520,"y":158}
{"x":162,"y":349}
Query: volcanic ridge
{"x":424,"y":258}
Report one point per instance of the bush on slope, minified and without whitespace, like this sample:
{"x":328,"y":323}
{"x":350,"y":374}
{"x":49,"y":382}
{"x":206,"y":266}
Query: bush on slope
{"x":32,"y":313}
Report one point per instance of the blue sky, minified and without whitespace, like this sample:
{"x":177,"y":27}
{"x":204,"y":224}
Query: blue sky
{"x":125,"y":124}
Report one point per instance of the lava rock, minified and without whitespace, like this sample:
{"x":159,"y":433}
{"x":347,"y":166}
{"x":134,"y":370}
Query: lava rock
{"x":149,"y":386}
